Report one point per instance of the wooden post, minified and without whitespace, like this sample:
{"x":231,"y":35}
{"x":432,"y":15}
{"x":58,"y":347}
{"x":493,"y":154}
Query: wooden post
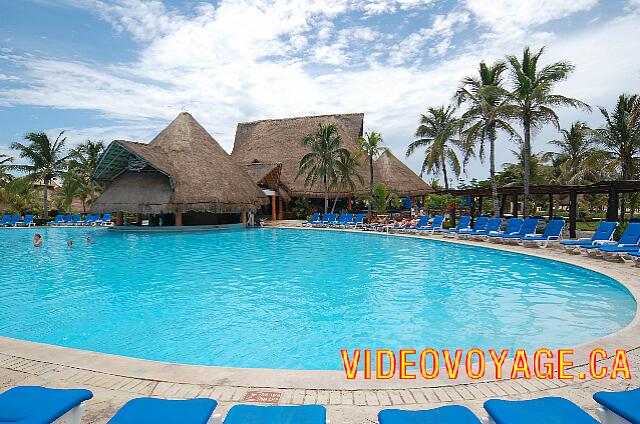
{"x":573,"y":212}
{"x":550,"y":206}
{"x":514,"y":206}
{"x":480,"y":206}
{"x":453,"y":216}
{"x":349,"y":203}
{"x":473,"y":207}
{"x":273,"y":208}
{"x":178,"y":219}
{"x":119,"y":218}
{"x":503,"y":204}
{"x":612,"y":205}
{"x":244,"y":216}
{"x":280,"y":209}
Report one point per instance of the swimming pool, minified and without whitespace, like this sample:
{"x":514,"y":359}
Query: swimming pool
{"x":290,"y":299}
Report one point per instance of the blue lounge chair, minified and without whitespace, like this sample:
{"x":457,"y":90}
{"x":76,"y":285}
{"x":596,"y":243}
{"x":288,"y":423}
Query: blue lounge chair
{"x":619,"y":407}
{"x":551,"y":233}
{"x":463,"y":224}
{"x":604,"y":232}
{"x":344,"y":220}
{"x":254,"y":414}
{"x":629,"y":242}
{"x":436,"y":225}
{"x":529,"y":226}
{"x":493,"y":225}
{"x":13,"y":221}
{"x":454,"y":414}
{"x":58,"y":220}
{"x":480,"y":224}
{"x":106,"y":219}
{"x":358,"y":222}
{"x":422,"y":223}
{"x":513,"y":227}
{"x":163,"y":411}
{"x":68,"y":219}
{"x":26,"y":222}
{"x":548,"y":410}
{"x":76,"y":219}
{"x":40,"y":405}
{"x":5,"y":220}
{"x":314,"y":218}
{"x":324,"y":218}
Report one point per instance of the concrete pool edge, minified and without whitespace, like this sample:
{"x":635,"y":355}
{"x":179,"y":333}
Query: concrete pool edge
{"x":141,"y":369}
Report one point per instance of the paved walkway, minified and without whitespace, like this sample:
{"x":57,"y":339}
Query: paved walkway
{"x":345,"y":405}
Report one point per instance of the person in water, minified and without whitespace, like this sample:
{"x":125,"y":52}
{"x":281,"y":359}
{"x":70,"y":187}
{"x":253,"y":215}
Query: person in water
{"x":69,"y":243}
{"x":90,"y":240}
{"x":37,"y":240}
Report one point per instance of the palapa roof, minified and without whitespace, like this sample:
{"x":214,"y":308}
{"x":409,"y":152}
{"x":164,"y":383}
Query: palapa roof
{"x":398,"y":177}
{"x":279,"y":141}
{"x":264,"y":174}
{"x":182,"y":169}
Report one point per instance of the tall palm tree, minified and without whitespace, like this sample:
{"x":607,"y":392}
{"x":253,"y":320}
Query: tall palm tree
{"x":83,"y":161}
{"x":534,"y":101}
{"x":47,"y":160}
{"x":619,"y":138}
{"x":5,"y":166}
{"x":488,"y":112}
{"x":371,"y":145}
{"x":322,"y":162}
{"x":576,"y":160}
{"x":437,"y":133}
{"x":347,"y":175}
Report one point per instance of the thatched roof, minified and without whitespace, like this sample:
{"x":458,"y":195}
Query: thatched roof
{"x":279,"y":141}
{"x":396,"y":176}
{"x":182,"y":169}
{"x":264,"y":174}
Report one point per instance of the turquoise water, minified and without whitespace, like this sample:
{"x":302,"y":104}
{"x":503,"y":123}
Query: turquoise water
{"x":291,"y":298}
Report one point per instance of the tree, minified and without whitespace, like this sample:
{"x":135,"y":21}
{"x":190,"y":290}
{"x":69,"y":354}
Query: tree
{"x":437,"y":131}
{"x":19,"y":193}
{"x":5,"y":166}
{"x":47,"y":160}
{"x":619,"y":138}
{"x":576,"y":160}
{"x":371,"y":145}
{"x":382,"y":198}
{"x":488,"y":112}
{"x":83,"y":161}
{"x":533,"y":100}
{"x":322,"y":162}
{"x":68,"y":191}
{"x":346,"y":176}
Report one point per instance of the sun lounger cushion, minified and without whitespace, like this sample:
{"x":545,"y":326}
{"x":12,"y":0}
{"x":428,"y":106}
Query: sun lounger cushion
{"x":626,"y":404}
{"x":548,"y":410}
{"x":163,"y":411}
{"x":453,"y":414}
{"x":39,"y":405}
{"x":254,"y":414}
{"x":616,"y":248}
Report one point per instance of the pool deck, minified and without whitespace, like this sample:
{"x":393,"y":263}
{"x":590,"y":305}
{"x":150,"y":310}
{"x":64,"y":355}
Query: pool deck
{"x":115,"y":379}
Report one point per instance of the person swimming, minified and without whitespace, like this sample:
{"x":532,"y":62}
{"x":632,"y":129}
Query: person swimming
{"x":37,"y":240}
{"x":69,"y":243}
{"x":90,"y":240}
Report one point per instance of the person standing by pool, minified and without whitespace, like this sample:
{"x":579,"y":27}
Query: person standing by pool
{"x":37,"y":240}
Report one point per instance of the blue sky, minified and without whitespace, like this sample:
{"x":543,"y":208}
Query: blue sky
{"x":125,"y":68}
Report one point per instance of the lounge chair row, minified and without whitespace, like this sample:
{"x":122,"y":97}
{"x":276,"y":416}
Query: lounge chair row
{"x":17,"y":221}
{"x":603,"y":245}
{"x":40,"y":405}
{"x":77,"y":219}
{"x":335,"y":220}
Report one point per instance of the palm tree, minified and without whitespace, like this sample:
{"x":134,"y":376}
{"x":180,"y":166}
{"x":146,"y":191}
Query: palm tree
{"x":619,"y":138}
{"x":347,"y":174}
{"x":83,"y":161}
{"x":19,"y":193}
{"x":488,"y":112}
{"x":577,"y":160}
{"x":322,"y":162}
{"x":371,"y":145}
{"x":534,"y":101}
{"x":47,"y":160}
{"x":68,"y":191}
{"x":382,"y":198}
{"x":437,"y":131}
{"x":5,"y":166}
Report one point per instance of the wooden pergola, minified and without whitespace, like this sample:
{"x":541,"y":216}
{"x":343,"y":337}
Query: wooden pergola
{"x":612,"y":188}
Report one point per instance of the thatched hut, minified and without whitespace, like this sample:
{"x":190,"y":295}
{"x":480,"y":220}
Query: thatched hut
{"x":398,"y":177}
{"x":183,"y":170}
{"x":279,"y":141}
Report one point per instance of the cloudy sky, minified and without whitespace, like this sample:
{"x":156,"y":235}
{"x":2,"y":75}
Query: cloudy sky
{"x":125,"y":68}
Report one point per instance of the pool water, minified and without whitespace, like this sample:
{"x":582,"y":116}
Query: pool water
{"x":291,"y":299}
